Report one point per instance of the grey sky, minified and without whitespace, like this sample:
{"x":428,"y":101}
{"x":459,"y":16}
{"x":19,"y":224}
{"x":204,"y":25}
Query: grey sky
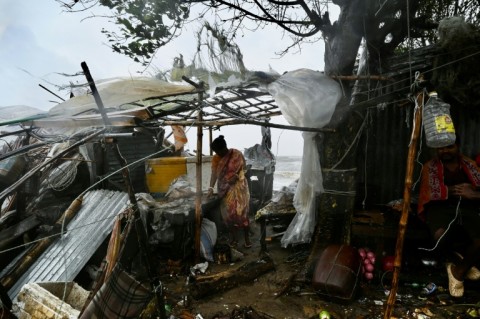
{"x":38,"y":40}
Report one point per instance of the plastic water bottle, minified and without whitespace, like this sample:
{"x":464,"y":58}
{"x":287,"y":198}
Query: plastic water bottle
{"x":437,"y":123}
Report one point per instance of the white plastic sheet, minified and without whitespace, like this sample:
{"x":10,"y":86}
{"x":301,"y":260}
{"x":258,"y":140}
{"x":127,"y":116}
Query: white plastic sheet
{"x":306,"y":98}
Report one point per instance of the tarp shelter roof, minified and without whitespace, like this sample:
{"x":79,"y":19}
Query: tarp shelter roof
{"x":127,"y":100}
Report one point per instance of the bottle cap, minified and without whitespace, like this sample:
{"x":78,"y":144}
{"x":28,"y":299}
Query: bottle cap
{"x":433,"y":93}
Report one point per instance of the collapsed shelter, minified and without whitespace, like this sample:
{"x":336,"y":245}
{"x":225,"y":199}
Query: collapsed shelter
{"x":51,"y":173}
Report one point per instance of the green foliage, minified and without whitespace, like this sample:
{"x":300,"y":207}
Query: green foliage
{"x":431,"y":12}
{"x":145,"y":25}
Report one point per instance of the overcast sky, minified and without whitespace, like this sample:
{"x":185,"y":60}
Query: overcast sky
{"x":38,"y":40}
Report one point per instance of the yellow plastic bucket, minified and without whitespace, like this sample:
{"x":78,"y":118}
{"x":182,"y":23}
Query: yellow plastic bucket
{"x":160,"y":172}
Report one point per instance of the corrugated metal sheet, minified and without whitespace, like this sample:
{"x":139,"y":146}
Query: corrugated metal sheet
{"x":64,"y":259}
{"x":383,"y":150}
{"x":132,"y":149}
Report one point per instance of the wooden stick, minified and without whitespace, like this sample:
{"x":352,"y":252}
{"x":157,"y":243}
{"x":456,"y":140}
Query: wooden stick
{"x":198,"y":198}
{"x":252,"y":122}
{"x":412,"y":153}
{"x":51,"y":92}
{"x":35,"y":251}
{"x":361,"y":77}
{"x":95,"y":93}
{"x":142,"y":237}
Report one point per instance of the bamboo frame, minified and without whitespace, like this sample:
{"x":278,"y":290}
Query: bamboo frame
{"x":412,"y":153}
{"x":198,"y":198}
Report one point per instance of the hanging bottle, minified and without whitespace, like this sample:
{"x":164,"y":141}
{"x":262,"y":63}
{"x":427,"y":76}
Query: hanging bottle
{"x":437,"y":123}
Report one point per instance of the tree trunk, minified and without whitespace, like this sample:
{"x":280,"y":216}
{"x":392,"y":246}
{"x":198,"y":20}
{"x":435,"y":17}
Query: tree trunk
{"x":371,"y":21}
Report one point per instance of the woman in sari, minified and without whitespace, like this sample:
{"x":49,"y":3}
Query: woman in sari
{"x":228,"y":172}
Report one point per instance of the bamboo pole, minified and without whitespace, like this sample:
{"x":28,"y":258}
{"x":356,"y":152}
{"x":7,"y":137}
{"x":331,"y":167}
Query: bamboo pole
{"x":210,"y":140}
{"x":35,"y":251}
{"x":412,"y":153}
{"x":251,"y":122}
{"x":198,"y":198}
{"x":361,"y":77}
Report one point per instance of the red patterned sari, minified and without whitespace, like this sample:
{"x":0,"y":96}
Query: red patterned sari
{"x":433,"y":186}
{"x":232,"y":186}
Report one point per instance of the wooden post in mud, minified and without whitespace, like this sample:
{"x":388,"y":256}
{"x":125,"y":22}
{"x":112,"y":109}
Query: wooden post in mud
{"x":198,"y":198}
{"x":412,"y":153}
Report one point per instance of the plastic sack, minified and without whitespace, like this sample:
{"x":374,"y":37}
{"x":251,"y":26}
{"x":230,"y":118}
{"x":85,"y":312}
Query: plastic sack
{"x":208,"y":239}
{"x":306,"y":98}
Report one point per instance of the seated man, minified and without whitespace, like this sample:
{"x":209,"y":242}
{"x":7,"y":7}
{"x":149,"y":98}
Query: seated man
{"x":449,"y":203}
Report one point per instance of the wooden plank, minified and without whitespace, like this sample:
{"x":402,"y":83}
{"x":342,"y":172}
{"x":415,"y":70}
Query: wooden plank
{"x":14,"y":232}
{"x":82,"y":122}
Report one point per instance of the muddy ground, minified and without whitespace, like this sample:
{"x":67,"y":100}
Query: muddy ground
{"x":276,"y":295}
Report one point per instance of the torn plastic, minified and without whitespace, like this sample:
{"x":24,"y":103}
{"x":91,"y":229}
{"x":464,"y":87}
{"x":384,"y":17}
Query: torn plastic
{"x":180,"y":188}
{"x":260,"y":156}
{"x":306,"y":98}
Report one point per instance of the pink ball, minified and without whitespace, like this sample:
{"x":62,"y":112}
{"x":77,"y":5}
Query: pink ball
{"x":369,"y":267}
{"x":366,"y":261}
{"x":362,"y":253}
{"x":368,"y":275}
{"x":370,"y":254}
{"x":372,"y":259}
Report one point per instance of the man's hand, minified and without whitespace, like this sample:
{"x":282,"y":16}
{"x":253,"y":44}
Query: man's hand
{"x":464,"y":190}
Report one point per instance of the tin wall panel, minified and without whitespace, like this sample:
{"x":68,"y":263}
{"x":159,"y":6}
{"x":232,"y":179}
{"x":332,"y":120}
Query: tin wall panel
{"x":64,"y":259}
{"x":383,"y":150}
{"x":132,"y":149}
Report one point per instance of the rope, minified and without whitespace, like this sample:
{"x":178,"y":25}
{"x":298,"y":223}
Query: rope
{"x":457,"y":211}
{"x":351,"y":145}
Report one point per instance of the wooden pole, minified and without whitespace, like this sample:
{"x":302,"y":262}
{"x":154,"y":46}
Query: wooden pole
{"x":198,"y":198}
{"x":251,"y":122}
{"x":95,"y":93}
{"x":142,"y":237}
{"x":35,"y":251}
{"x":407,"y":191}
{"x":210,"y":140}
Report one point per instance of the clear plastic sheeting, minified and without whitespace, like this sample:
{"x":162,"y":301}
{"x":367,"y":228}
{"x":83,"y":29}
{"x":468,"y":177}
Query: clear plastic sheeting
{"x":117,"y":92}
{"x":306,"y":98}
{"x":259,"y":156}
{"x":18,"y":112}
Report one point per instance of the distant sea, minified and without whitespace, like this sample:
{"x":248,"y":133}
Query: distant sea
{"x":287,"y":170}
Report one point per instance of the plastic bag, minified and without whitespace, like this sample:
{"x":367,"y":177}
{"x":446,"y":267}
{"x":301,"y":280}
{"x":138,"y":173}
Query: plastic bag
{"x":208,"y":239}
{"x":306,"y":98}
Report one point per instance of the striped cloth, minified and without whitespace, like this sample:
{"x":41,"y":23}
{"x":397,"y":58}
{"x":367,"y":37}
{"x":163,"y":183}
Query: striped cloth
{"x":121,"y":296}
